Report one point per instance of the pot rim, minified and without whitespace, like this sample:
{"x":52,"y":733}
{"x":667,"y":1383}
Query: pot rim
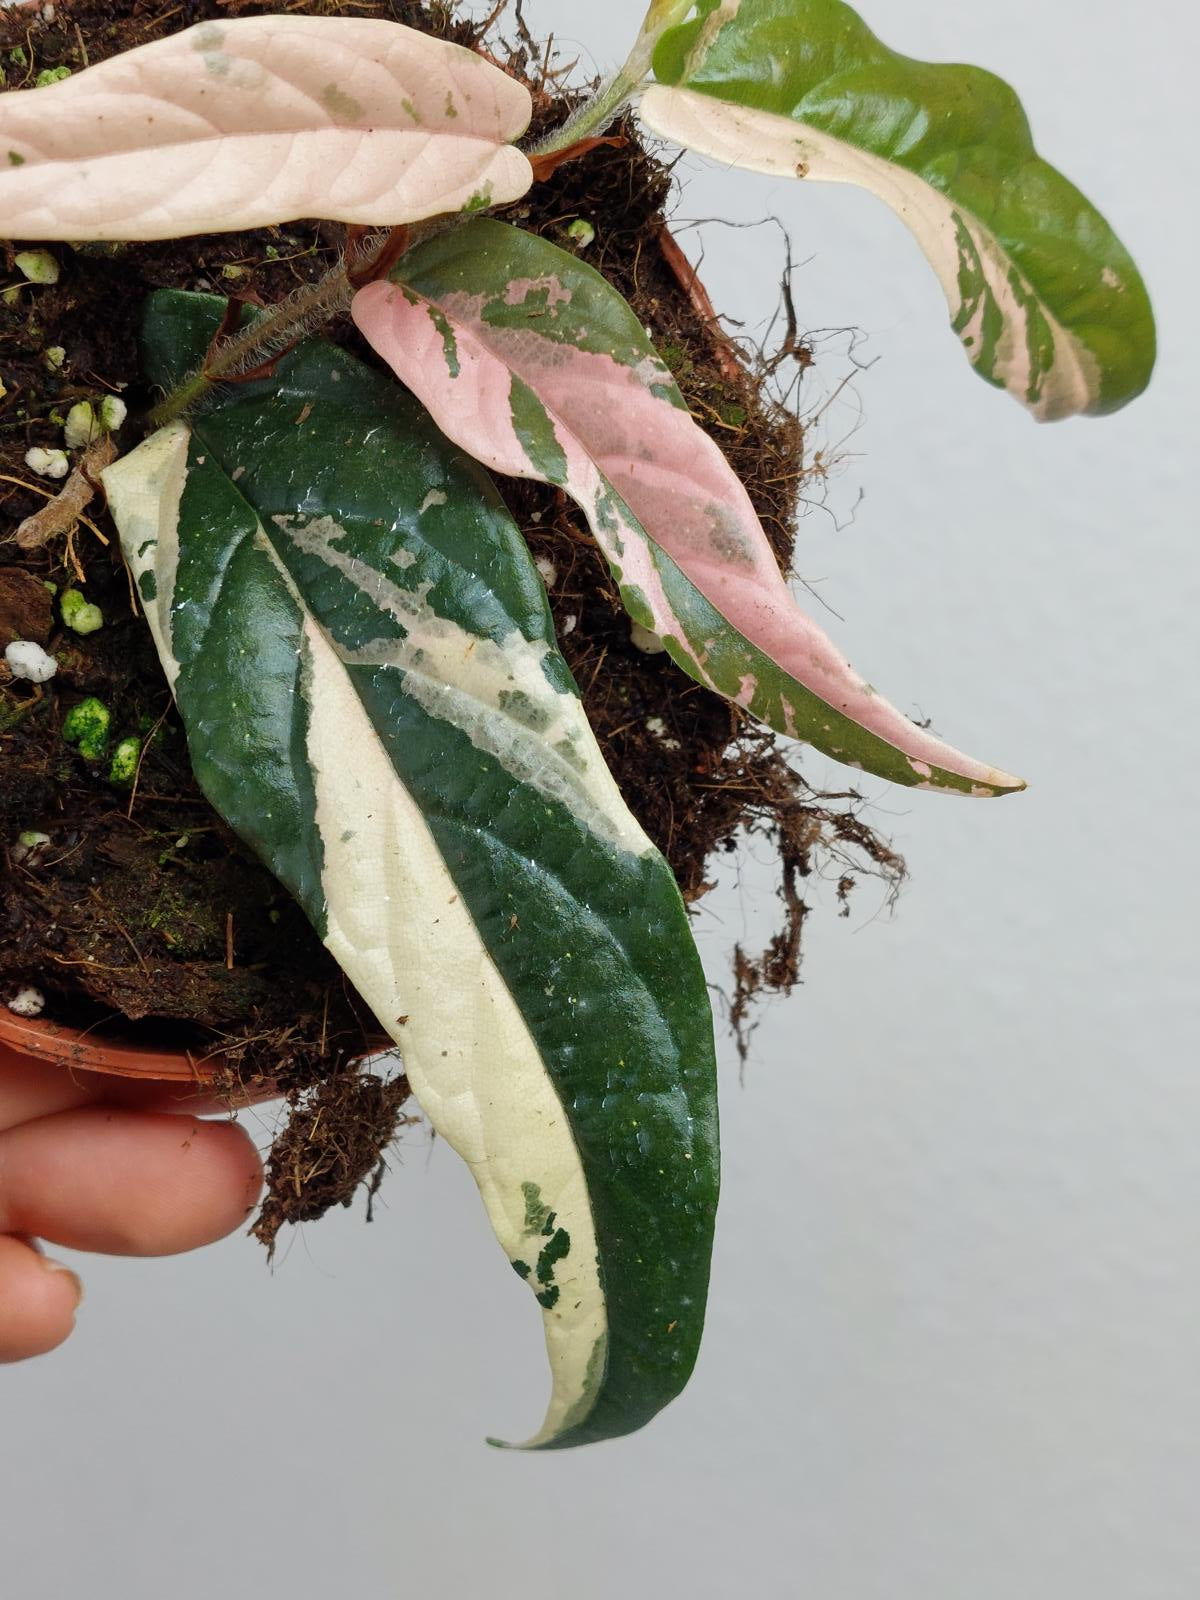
{"x":85,"y":1050}
{"x":42,"y":1039}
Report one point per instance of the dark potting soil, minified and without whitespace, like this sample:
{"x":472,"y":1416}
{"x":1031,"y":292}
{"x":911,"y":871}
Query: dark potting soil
{"x":142,"y":912}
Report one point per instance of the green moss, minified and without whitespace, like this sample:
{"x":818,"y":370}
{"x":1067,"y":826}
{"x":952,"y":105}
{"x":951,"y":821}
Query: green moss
{"x":123,"y":767}
{"x":81,"y":426}
{"x":79,"y":614}
{"x":86,"y":726}
{"x":677,"y":358}
{"x":38,"y":266}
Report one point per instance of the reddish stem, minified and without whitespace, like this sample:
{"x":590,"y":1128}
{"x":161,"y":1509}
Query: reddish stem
{"x":685,"y":275}
{"x":543,"y":166}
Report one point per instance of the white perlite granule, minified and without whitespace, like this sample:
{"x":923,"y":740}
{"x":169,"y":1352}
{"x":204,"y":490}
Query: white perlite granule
{"x":27,"y":1002}
{"x":28,"y":660}
{"x":658,"y":729}
{"x":47,"y":463}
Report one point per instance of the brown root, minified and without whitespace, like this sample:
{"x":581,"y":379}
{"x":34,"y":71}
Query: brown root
{"x":59,"y":518}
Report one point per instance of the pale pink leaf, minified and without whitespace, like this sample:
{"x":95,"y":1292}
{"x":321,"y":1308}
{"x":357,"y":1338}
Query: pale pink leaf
{"x":261,"y":120}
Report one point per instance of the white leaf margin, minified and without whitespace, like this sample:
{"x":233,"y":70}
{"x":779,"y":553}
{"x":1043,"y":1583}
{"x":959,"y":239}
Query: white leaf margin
{"x":955,"y":243}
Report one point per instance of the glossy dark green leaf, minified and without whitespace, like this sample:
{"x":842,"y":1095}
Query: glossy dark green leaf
{"x":363,"y":656}
{"x":1043,"y":295}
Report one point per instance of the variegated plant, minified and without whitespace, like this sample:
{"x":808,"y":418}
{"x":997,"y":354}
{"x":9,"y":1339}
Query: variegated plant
{"x":357,"y":640}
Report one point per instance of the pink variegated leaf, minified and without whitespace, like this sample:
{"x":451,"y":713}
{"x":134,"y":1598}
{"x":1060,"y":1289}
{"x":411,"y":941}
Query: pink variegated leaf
{"x":261,"y":120}
{"x":535,"y":365}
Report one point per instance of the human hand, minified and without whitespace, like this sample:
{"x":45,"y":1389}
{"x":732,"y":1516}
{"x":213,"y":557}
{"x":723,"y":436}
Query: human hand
{"x":96,"y":1163}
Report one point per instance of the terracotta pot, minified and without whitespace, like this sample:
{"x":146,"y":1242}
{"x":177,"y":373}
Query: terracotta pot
{"x":35,"y":1039}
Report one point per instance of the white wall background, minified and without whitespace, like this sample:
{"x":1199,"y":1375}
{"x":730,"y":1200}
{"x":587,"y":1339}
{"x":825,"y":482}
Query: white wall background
{"x":954,"y":1344}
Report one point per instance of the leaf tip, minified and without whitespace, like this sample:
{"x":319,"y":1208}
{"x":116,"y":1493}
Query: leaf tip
{"x":996,"y":785}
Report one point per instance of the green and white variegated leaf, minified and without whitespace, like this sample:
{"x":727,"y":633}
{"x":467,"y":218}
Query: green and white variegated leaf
{"x":363,"y":657}
{"x":257,"y":120}
{"x":1043,"y":295}
{"x":530,"y":360}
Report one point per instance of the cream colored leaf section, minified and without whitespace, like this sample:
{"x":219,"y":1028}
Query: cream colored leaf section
{"x":144,"y":491}
{"x":1001,"y":321}
{"x":494,"y":691}
{"x":399,"y":928}
{"x":258,"y":120}
{"x":397,"y":924}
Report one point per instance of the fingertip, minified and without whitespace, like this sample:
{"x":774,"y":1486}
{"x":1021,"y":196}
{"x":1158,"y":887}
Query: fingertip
{"x":202,"y":1179}
{"x":234,"y":1171}
{"x":39,"y":1298}
{"x":128,"y":1183}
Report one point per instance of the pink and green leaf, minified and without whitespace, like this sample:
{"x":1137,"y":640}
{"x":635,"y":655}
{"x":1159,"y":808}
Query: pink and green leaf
{"x":260,"y":120}
{"x":531,"y":361}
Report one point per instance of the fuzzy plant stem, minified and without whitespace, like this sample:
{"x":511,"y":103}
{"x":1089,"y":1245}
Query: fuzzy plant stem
{"x":615,"y":93}
{"x":304,"y":310}
{"x":592,"y":117}
{"x":314,"y":304}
